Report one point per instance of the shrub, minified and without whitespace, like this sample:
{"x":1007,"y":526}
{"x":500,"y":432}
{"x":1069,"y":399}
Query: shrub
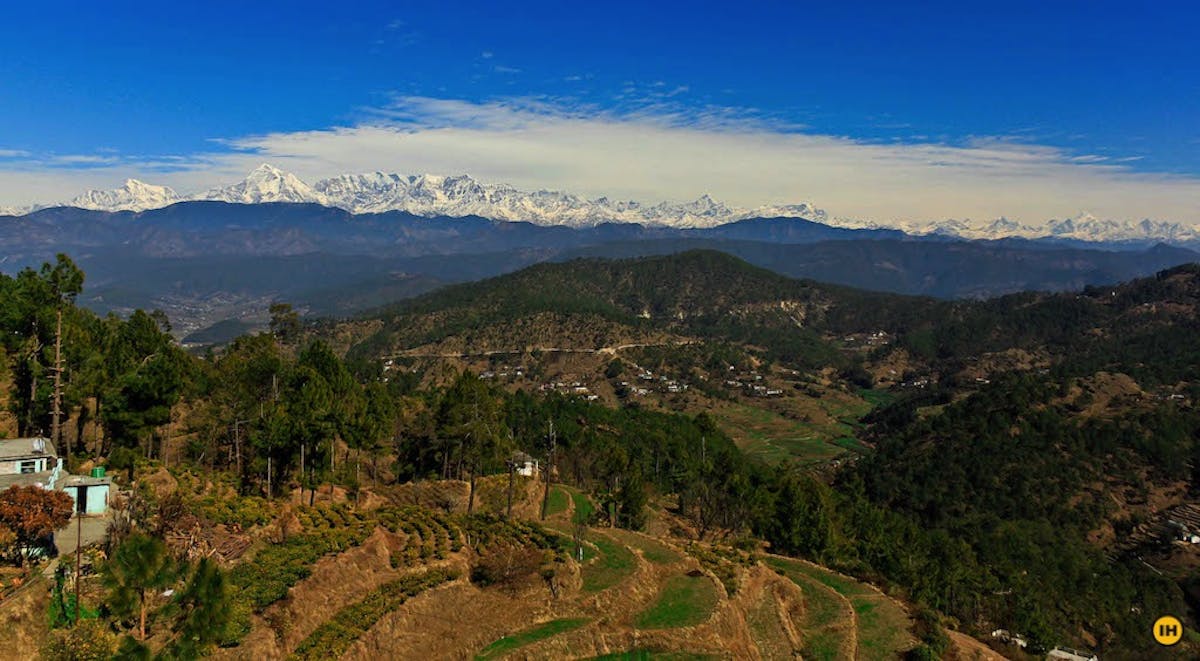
{"x":334,"y":637}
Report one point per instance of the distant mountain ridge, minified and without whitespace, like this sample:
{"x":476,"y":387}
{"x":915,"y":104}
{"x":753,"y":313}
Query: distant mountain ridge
{"x":436,"y":196}
{"x":431,"y":195}
{"x":1083,"y":227}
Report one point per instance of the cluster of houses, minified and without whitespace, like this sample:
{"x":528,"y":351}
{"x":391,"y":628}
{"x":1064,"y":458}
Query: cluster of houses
{"x":1181,"y":532}
{"x":649,"y":381}
{"x":753,"y":385}
{"x":875,"y":339}
{"x":576,"y":388}
{"x":504,"y":372}
{"x":1059,"y":652}
{"x":35,"y":462}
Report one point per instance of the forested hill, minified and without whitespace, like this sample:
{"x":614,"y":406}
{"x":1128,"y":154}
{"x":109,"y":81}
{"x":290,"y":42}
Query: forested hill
{"x":1035,"y":446}
{"x":695,"y":294}
{"x":713,"y":295}
{"x":1146,"y":327}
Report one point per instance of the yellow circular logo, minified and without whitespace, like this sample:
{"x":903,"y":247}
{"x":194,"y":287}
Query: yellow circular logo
{"x":1168,"y":630}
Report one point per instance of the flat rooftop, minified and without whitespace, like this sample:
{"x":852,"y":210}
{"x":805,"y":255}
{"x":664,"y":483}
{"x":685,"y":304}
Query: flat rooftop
{"x":26,"y":479}
{"x":20,"y":448}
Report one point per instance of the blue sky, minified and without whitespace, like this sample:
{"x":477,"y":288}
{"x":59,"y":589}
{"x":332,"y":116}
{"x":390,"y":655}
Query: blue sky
{"x":180,"y":92}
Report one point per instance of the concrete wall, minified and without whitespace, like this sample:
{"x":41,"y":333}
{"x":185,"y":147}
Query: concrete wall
{"x":97,"y":497}
{"x":11,"y":467}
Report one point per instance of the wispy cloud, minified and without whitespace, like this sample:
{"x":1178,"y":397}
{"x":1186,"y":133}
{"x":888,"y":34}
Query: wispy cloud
{"x":82,"y":160}
{"x":654,"y":149}
{"x":13,"y":153}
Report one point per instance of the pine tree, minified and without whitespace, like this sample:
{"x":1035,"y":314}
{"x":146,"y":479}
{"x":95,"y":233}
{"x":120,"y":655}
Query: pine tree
{"x":204,"y":611}
{"x":139,"y":566}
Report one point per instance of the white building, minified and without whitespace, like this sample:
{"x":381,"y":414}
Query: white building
{"x":29,"y":461}
{"x":524,"y":464}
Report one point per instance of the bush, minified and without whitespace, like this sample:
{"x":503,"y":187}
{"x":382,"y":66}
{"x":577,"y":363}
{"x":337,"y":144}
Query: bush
{"x":90,"y":639}
{"x":510,"y":568}
{"x":334,"y":637}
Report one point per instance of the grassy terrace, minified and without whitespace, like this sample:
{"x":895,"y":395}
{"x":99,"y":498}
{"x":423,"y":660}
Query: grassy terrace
{"x":539,"y":632}
{"x":683,"y":602}
{"x":883,"y":625}
{"x":653,"y":550}
{"x":614,"y":563}
{"x":772,"y":438}
{"x":558,"y":501}
{"x":583,"y":506}
{"x":652,"y":655}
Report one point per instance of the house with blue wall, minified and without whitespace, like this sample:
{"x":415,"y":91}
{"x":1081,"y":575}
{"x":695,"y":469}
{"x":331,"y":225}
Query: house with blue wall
{"x":34,"y":462}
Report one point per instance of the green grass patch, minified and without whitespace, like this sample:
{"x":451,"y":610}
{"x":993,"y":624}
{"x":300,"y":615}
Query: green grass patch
{"x":653,"y":655}
{"x":652,"y":550}
{"x":851,"y":443}
{"x":532,"y":635}
{"x":823,"y":645}
{"x":614,"y":563}
{"x":558,"y":501}
{"x":877,"y":397}
{"x":583,"y":507}
{"x":771,"y":438}
{"x":883,"y":627}
{"x":684,"y":601}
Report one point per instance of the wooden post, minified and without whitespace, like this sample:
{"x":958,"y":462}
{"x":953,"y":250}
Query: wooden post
{"x":78,"y":549}
{"x":549,"y":466}
{"x":56,"y":410}
{"x":512,"y":467}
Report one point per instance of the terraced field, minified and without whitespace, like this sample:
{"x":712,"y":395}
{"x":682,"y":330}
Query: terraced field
{"x":880,"y":625}
{"x":684,"y":601}
{"x":772,"y":438}
{"x":538,"y":632}
{"x":403,"y":580}
{"x":614,"y":562}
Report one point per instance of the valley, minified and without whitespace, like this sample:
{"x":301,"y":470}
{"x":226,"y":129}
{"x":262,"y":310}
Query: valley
{"x":740,"y":464}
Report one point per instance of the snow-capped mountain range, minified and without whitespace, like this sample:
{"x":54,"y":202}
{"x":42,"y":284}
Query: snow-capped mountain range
{"x":1081,"y":227}
{"x":434,"y":195}
{"x":457,"y":196}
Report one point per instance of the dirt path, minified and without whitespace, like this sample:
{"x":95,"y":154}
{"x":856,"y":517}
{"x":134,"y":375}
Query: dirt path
{"x":611,"y":350}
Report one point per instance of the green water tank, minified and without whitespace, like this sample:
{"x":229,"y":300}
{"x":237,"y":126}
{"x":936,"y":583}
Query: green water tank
{"x":98,"y":471}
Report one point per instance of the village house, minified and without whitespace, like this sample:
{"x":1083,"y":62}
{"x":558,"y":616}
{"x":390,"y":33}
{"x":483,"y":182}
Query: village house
{"x":90,"y":492}
{"x":29,"y":462}
{"x":524,"y":464}
{"x":34,"y":462}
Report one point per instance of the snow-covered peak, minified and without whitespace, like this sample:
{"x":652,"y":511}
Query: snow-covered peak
{"x":266,"y":183}
{"x":134,"y":195}
{"x":457,"y":196}
{"x":462,"y":195}
{"x":1080,"y":227}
